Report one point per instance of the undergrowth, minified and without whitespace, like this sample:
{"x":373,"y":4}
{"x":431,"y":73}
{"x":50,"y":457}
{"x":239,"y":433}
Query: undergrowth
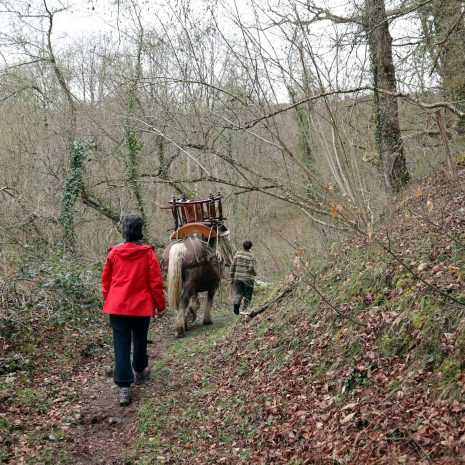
{"x":368,"y":351}
{"x":50,"y":323}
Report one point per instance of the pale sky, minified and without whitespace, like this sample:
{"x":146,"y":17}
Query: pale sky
{"x":87,"y":18}
{"x":83,"y":18}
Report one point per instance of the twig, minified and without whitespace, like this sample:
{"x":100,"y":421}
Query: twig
{"x":275,"y":300}
{"x":322,"y":296}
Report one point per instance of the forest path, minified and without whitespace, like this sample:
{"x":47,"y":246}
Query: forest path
{"x":105,"y":431}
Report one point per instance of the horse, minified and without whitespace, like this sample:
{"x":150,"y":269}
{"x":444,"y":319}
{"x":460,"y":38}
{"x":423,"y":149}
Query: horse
{"x":193,"y":267}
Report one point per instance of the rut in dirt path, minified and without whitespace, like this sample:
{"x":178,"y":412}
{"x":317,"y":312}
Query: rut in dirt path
{"x":105,"y":430}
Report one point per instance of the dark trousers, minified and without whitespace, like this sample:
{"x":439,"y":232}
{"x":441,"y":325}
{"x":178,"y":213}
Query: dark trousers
{"x":127,"y":329}
{"x":244,"y":290}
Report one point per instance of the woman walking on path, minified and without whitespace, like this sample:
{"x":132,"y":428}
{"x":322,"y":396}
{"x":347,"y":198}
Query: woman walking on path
{"x":132,"y":287}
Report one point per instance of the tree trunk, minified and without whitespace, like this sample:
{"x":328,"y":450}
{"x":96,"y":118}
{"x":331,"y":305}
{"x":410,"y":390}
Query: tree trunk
{"x":131,"y":136}
{"x":444,"y":31}
{"x":392,"y":158}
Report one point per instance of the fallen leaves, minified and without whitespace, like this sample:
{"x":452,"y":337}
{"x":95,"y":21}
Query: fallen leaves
{"x":295,"y":386}
{"x":335,"y":397}
{"x":347,"y":418}
{"x":429,"y":206}
{"x":335,"y":208}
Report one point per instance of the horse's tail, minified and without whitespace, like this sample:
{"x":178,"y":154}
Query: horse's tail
{"x":177,"y":253}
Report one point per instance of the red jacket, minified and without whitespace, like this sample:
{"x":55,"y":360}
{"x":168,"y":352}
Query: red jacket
{"x":132,"y":283}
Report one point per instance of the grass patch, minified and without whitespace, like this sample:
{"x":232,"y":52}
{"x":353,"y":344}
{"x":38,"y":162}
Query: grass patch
{"x":184,"y":370}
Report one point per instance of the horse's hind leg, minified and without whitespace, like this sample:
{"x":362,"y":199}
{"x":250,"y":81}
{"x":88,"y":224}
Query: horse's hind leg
{"x":180,"y":321}
{"x":187,"y":297}
{"x":207,"y":314}
{"x":194,"y":305}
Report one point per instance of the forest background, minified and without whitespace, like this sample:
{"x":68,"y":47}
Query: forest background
{"x":318,"y":121}
{"x":307,"y":116}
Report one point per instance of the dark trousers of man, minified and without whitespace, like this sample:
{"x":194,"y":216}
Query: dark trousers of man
{"x":244,"y":290}
{"x":127,"y":329}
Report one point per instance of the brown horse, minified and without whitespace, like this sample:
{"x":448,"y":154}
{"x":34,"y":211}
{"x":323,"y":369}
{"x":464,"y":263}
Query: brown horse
{"x":193,"y":267}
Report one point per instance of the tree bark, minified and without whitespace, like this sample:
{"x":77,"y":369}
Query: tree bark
{"x":388,"y":138}
{"x":443,"y":27}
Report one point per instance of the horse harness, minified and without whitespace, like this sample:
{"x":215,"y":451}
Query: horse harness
{"x":199,"y":261}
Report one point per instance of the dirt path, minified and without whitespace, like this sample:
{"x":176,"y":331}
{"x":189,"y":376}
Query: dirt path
{"x":105,"y":430}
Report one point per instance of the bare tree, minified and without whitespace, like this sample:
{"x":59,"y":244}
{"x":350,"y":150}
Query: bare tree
{"x":388,"y":136}
{"x":443,"y":27}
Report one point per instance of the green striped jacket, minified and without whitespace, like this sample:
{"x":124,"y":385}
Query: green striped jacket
{"x":243,"y":267}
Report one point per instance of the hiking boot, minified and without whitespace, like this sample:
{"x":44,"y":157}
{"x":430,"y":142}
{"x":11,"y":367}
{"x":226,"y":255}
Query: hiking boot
{"x":140,"y":378}
{"x":124,"y":396}
{"x":236,"y":309}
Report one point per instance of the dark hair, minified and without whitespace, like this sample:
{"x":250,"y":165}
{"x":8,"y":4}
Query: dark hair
{"x":247,"y":245}
{"x":132,"y":226}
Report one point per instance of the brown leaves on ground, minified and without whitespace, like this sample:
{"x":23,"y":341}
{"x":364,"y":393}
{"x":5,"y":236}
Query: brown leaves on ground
{"x":375,"y":378}
{"x":301,"y":384}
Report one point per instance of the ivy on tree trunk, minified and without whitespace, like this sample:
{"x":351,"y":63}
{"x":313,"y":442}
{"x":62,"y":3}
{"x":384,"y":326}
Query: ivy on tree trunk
{"x":72,"y":189}
{"x":131,"y":139}
{"x":388,"y":138}
{"x":443,"y":24}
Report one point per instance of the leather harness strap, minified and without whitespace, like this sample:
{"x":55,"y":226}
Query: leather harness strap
{"x":198,"y":261}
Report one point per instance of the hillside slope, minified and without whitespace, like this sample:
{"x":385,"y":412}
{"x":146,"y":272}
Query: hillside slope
{"x":363,"y":363}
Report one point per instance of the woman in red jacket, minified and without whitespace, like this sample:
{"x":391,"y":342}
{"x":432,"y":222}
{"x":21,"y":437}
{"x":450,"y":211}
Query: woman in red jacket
{"x":132,"y":287}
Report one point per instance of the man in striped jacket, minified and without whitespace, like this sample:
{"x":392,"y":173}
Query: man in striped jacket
{"x":242,"y":276}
